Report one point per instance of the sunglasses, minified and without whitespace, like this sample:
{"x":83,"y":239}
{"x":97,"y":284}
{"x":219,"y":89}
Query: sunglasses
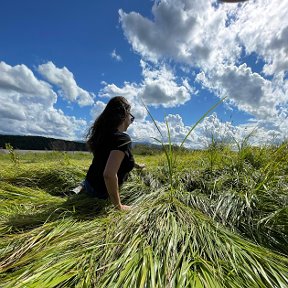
{"x":132,"y":118}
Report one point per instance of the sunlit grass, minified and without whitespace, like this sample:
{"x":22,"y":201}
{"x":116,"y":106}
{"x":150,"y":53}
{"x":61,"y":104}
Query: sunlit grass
{"x":223,"y":225}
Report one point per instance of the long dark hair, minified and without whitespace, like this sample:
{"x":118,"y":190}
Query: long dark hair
{"x":108,"y":121}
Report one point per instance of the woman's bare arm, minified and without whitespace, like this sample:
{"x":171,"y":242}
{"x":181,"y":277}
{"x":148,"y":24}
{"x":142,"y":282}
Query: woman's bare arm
{"x":110,"y":177}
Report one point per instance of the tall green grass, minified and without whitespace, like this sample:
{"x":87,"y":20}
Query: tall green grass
{"x":223,"y":225}
{"x":168,"y":148}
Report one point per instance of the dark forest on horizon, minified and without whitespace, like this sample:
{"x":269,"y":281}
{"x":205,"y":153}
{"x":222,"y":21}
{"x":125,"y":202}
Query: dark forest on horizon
{"x":20,"y":142}
{"x":40,"y":143}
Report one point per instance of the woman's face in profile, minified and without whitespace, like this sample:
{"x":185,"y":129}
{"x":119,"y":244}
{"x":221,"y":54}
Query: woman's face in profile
{"x":128,"y":120}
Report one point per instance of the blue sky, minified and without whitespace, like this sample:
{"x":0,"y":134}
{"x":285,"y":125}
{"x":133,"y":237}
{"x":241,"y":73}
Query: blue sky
{"x":61,"y":61}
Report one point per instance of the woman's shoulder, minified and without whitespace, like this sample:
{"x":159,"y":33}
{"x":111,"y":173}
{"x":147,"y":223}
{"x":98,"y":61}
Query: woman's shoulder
{"x":121,"y":135}
{"x":121,"y":140}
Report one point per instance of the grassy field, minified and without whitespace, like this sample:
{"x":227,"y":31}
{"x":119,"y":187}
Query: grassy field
{"x":213,"y":218}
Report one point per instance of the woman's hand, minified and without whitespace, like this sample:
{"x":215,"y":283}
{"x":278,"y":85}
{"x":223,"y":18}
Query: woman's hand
{"x":124,"y":207}
{"x":139,"y":166}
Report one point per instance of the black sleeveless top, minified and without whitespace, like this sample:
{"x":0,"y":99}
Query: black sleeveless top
{"x":115,"y":141}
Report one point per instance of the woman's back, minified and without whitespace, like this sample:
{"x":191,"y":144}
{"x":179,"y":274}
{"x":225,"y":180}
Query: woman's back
{"x":113,"y":141}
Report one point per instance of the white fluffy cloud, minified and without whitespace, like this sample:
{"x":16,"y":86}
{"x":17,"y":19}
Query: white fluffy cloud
{"x":213,"y":38}
{"x":210,"y":129}
{"x":27,"y":106}
{"x":116,"y":56}
{"x":262,"y":28}
{"x":159,"y":87}
{"x":202,"y":34}
{"x":64,"y":79}
{"x":249,"y":91}
{"x":146,"y":131}
{"x":97,"y":109}
{"x":182,"y":30}
{"x":130,"y":91}
{"x":20,"y":80}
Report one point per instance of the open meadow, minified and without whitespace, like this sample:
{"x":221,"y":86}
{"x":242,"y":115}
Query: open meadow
{"x":213,"y":218}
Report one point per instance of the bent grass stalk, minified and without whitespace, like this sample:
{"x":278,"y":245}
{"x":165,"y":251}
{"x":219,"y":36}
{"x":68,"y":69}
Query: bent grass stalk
{"x":272,"y":165}
{"x":169,"y":153}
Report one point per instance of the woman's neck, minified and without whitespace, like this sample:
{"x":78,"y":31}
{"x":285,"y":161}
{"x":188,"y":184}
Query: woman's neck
{"x":121,"y":127}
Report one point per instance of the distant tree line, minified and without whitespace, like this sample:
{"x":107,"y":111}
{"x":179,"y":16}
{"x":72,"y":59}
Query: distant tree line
{"x":40,"y":143}
{"x":152,"y":149}
{"x":146,"y":149}
{"x":45,"y":143}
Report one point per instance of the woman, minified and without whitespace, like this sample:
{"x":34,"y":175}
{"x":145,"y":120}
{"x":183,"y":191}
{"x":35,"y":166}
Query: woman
{"x":111,"y":148}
